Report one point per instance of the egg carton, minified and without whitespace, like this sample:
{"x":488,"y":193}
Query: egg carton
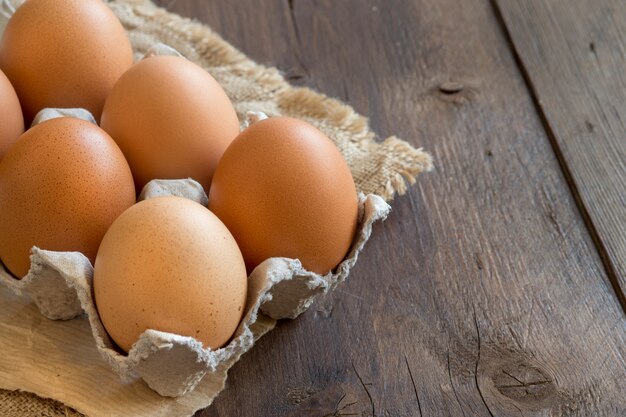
{"x":61,"y":285}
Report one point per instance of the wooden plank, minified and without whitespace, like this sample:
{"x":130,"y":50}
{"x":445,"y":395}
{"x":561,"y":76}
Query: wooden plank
{"x":483,"y":294}
{"x":574,"y":55}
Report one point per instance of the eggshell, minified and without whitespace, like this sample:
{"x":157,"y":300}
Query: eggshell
{"x":283,"y":189}
{"x":169,"y":264}
{"x":65,"y":53}
{"x":12,"y":125}
{"x":171,"y":119}
{"x":61,"y":186}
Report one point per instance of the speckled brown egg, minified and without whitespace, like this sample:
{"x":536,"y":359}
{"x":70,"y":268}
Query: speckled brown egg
{"x":12,"y":124}
{"x":61,"y":186}
{"x":283,"y":189}
{"x":169,"y":264}
{"x":65,"y":53}
{"x":171,"y":119}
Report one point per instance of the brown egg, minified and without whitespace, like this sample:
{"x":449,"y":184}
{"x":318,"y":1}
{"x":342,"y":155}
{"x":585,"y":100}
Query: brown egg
{"x":61,"y":186}
{"x":283,"y":189}
{"x":64,"y":54}
{"x":12,"y":125}
{"x":171,"y":119}
{"x":169,"y":264}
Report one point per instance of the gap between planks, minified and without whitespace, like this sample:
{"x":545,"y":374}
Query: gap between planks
{"x":569,"y":179}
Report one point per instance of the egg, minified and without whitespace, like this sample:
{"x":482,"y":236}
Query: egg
{"x":64,"y":53}
{"x":169,"y":264}
{"x":61,"y":186}
{"x":12,"y":125}
{"x":171,"y":119}
{"x":283,"y":189}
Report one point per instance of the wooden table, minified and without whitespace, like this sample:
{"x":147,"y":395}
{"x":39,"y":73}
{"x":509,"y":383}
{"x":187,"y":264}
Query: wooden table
{"x":496,"y":287}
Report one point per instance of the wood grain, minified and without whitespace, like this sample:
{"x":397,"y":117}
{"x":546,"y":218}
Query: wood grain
{"x":574,"y":55}
{"x":483,"y":294}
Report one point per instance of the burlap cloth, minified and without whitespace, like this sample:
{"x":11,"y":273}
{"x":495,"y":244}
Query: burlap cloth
{"x":382,"y":168}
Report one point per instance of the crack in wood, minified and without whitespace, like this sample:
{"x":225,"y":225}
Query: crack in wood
{"x":480,"y":392}
{"x":479,"y":261}
{"x":551,"y":212}
{"x":419,"y":405}
{"x":514,"y":377}
{"x":452,"y":383}
{"x":522,"y":384}
{"x":339,"y":411}
{"x":516,"y":338}
{"x":296,"y":31}
{"x":367,"y":391}
{"x":294,"y":21}
{"x":553,"y":220}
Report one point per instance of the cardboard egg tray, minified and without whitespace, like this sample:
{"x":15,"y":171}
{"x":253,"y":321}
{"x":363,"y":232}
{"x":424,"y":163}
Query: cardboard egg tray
{"x":61,"y":285}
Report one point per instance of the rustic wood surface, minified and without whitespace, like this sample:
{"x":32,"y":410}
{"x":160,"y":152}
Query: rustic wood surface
{"x":573,"y":53}
{"x":484,"y":293}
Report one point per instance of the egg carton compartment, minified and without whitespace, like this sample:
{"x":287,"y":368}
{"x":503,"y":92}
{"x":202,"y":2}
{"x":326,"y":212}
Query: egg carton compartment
{"x":61,"y":285}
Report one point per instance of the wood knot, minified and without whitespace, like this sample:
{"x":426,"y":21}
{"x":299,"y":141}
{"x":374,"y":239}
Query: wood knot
{"x":454,"y":92}
{"x":528,"y":385}
{"x":451,"y":87}
{"x":524,"y":382}
{"x":295,"y":75}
